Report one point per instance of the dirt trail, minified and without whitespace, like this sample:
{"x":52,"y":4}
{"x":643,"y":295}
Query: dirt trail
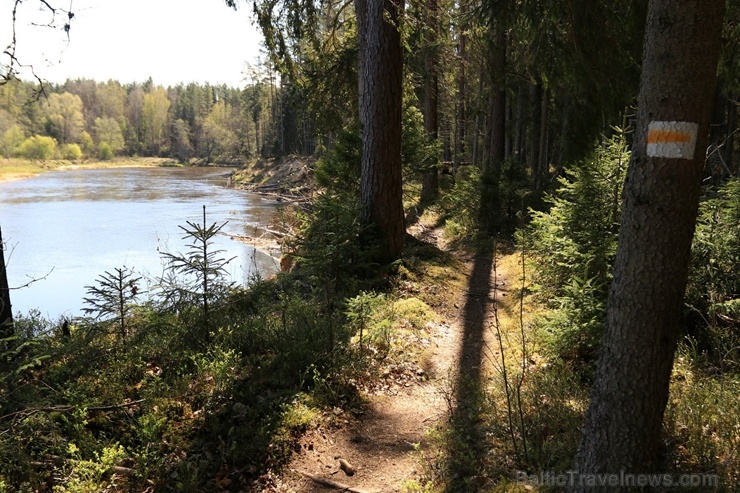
{"x":381,"y":445}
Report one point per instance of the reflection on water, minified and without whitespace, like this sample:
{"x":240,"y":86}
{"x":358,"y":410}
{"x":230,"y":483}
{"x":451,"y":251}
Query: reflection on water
{"x":69,"y":227}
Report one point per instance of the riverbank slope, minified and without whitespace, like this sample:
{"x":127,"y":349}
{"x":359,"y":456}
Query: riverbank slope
{"x":287,"y":178}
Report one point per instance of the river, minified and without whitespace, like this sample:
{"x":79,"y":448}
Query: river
{"x":63,"y":229}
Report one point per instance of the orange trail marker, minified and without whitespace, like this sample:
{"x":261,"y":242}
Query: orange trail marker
{"x":675,"y":140}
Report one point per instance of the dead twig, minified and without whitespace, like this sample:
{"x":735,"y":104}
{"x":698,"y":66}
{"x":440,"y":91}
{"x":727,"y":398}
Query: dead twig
{"x":55,"y":459}
{"x":333,"y":484}
{"x":65,"y":409}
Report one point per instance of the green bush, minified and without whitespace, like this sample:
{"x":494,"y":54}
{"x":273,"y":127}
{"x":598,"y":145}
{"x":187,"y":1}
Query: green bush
{"x":714,"y":280}
{"x":11,"y":140}
{"x":463,"y":205}
{"x":702,"y":420}
{"x":339,"y":169}
{"x":418,"y":154}
{"x":105,"y":152}
{"x":713,"y":288}
{"x":574,"y":244}
{"x":86,"y":143}
{"x":71,"y":152}
{"x":37,"y":147}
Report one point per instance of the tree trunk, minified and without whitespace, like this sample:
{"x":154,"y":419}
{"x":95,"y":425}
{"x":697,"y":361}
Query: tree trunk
{"x":460,"y":147}
{"x":381,"y":66}
{"x":518,"y":140}
{"x":564,"y":150}
{"x":430,"y":180}
{"x":730,"y":142}
{"x":6,"y":312}
{"x":490,"y":203}
{"x":660,"y":203}
{"x":535,"y":106}
{"x":543,"y":168}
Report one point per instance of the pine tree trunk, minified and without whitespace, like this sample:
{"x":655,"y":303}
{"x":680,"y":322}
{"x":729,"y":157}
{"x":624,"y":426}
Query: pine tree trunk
{"x":460,"y":147}
{"x":518,"y":141}
{"x":496,"y":150}
{"x":730,"y":142}
{"x":381,"y":66}
{"x":535,"y":107}
{"x":543,"y":168}
{"x":430,"y":180}
{"x":6,"y":312}
{"x":660,"y":203}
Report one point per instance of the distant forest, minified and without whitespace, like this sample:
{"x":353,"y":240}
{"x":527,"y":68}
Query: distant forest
{"x":100,"y":120}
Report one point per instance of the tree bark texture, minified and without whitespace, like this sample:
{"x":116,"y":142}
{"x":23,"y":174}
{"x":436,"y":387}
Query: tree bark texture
{"x":430,"y":180}
{"x":6,"y":312}
{"x":461,"y":134}
{"x":496,"y":141}
{"x":544,"y":157}
{"x":660,"y":202}
{"x":381,"y":66}
{"x":535,"y":106}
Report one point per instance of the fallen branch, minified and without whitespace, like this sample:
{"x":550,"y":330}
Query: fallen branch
{"x":54,"y":459}
{"x":333,"y":484}
{"x":66,"y":409}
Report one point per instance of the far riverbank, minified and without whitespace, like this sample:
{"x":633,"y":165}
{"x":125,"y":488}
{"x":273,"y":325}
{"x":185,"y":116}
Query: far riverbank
{"x":18,"y":169}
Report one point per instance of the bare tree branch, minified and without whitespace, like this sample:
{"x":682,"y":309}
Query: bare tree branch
{"x":11,"y":65}
{"x":32,"y":280}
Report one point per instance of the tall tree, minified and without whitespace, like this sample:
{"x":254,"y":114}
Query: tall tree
{"x":10,"y":140}
{"x":430,"y":180}
{"x":134,"y":119}
{"x":154,"y":119}
{"x":108,"y":130}
{"x":111,"y":97}
{"x":87,"y":90}
{"x":460,"y":133}
{"x":64,"y":117}
{"x":660,"y":202}
{"x":180,"y":140}
{"x":6,"y":313}
{"x":217,"y":137}
{"x":496,"y":141}
{"x":380,"y":89}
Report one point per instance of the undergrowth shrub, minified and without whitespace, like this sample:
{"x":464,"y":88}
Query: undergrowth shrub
{"x":418,"y":153}
{"x":713,"y":289}
{"x":196,"y":281}
{"x":339,"y":169}
{"x":573,"y":245}
{"x":702,"y":421}
{"x":554,"y":405}
{"x":463,"y":205}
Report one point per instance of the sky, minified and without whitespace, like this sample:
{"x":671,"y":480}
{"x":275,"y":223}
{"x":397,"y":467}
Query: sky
{"x":171,"y":41}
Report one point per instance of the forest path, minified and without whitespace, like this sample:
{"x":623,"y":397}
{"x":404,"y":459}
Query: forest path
{"x":382,"y":445}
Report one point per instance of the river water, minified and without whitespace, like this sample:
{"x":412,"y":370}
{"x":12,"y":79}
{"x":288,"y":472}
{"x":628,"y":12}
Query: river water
{"x":64,"y":229}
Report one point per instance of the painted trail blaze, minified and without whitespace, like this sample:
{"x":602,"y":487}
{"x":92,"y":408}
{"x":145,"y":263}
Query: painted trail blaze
{"x":676,"y":140}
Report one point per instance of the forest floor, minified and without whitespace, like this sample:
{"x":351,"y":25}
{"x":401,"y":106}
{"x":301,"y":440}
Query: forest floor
{"x":380,"y":448}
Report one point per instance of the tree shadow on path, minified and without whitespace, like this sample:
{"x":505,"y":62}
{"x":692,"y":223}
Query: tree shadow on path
{"x":466,"y":444}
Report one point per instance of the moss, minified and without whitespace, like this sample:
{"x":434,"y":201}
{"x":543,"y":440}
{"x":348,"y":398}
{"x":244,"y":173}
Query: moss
{"x":415,"y":312}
